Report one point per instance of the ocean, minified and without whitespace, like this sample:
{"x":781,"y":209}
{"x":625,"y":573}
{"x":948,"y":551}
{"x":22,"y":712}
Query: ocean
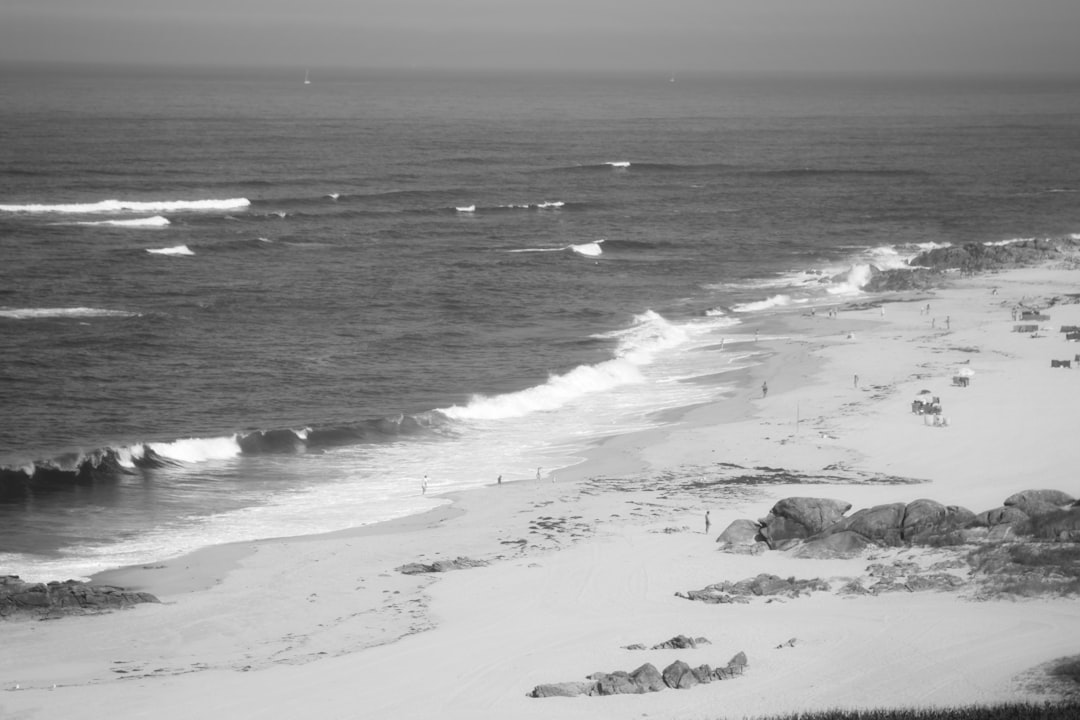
{"x":235,"y":306}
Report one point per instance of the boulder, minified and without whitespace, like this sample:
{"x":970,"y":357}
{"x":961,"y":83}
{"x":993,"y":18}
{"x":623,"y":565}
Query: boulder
{"x":1001,"y":516}
{"x":1039,"y":497}
{"x":679,"y":676}
{"x":740,"y":532}
{"x":563,"y":689}
{"x":735,"y":666}
{"x":615,"y":683}
{"x":648,"y":678}
{"x":844,"y":544}
{"x":703,"y":674}
{"x":1060,"y":525}
{"x":928,"y":522}
{"x":881,"y":523}
{"x":796,"y":518}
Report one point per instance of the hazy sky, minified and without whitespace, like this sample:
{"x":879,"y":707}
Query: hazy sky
{"x":895,"y":36}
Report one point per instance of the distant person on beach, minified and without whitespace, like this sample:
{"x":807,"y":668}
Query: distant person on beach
{"x":764,"y":389}
{"x":856,"y":381}
{"x":537,"y":474}
{"x":708,"y":523}
{"x":499,"y":481}
{"x":423,"y":486}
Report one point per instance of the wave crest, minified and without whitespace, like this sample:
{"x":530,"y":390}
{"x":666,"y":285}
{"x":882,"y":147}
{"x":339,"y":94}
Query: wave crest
{"x":120,"y":206}
{"x":636,"y":346}
{"x":76,"y":312}
{"x":177,"y":250}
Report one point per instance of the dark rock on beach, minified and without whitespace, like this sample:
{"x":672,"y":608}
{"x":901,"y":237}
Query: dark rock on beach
{"x":818,"y":528}
{"x":798,"y":518}
{"x":762,"y":585}
{"x":56,"y":599}
{"x":439,"y":566}
{"x":678,"y":675}
{"x":881,"y":524}
{"x":679,"y":642}
{"x":904,"y":279}
{"x":845,"y":544}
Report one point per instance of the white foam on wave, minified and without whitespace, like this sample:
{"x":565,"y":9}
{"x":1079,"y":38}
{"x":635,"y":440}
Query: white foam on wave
{"x":550,"y":205}
{"x":75,"y":312}
{"x":619,"y":164}
{"x":857,"y":277}
{"x":591,"y":249}
{"x":1010,"y":241}
{"x":466,"y":209}
{"x":155,"y":221}
{"x":193,"y":450}
{"x":119,"y":206}
{"x":177,"y":250}
{"x":775,"y":301}
{"x":636,"y":346}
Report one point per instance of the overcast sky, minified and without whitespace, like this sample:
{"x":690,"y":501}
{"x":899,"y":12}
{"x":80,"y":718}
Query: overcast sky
{"x":663,"y":36}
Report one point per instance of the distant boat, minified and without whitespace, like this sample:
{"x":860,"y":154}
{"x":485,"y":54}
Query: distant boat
{"x":307,"y":80}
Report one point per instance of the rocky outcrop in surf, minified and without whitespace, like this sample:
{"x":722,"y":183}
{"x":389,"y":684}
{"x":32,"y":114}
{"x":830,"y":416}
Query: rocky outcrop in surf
{"x":19,"y":599}
{"x":979,"y":257}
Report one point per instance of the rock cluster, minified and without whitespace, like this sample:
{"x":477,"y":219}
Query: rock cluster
{"x":678,"y":675}
{"x":820,"y":527}
{"x":763,"y":585}
{"x":977,"y":257}
{"x":679,"y":642}
{"x":439,"y":566}
{"x":19,"y":598}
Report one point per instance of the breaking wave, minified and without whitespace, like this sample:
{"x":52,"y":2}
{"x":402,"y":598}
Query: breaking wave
{"x":119,"y":206}
{"x":636,"y":346}
{"x":178,"y":250}
{"x":76,"y":312}
{"x":155,"y":221}
{"x":112,"y":462}
{"x":773,"y":302}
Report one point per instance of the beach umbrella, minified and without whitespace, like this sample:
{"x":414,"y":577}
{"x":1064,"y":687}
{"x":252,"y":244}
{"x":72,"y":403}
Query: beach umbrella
{"x":965,"y":372}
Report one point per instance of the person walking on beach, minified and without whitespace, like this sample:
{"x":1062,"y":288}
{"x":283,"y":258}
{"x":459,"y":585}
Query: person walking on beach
{"x":856,"y":380}
{"x":423,"y":486}
{"x":537,"y":474}
{"x":764,"y":389}
{"x":499,"y":481}
{"x":708,"y":523}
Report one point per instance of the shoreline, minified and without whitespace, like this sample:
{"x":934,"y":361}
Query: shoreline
{"x":581,"y":567}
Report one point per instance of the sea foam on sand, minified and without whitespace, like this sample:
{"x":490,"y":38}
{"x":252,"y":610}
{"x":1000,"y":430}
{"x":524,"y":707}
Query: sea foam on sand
{"x":579,"y":568}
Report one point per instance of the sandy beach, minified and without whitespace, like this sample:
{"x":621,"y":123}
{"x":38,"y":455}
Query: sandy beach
{"x":581,"y":565}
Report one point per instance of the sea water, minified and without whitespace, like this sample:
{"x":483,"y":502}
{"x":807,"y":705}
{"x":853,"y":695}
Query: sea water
{"x":236,"y":306}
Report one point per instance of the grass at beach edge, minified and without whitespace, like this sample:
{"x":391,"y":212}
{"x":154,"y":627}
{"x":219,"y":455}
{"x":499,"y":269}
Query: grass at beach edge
{"x":1068,"y":710}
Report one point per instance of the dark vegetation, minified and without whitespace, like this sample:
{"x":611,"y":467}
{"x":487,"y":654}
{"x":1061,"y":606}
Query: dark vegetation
{"x":1020,"y":711}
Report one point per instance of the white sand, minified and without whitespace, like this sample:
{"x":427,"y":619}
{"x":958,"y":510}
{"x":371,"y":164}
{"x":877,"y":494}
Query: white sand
{"x":324,"y":627}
